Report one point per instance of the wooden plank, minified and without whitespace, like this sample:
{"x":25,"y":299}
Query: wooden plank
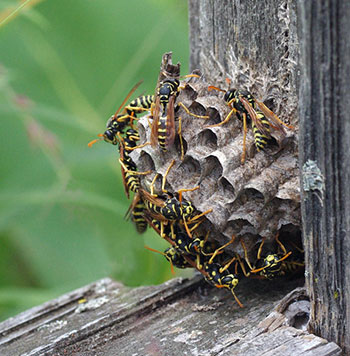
{"x":324,"y":156}
{"x":179,"y":317}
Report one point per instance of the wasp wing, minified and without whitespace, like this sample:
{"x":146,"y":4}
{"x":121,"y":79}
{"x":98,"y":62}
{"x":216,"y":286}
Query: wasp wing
{"x":127,"y":98}
{"x":154,"y":128}
{"x":134,"y":202}
{"x":151,"y":198}
{"x":252,"y":113}
{"x":277,"y":123}
{"x":170,"y":123}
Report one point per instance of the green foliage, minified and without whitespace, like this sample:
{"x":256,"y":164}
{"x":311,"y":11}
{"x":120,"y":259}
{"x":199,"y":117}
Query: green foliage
{"x":65,"y":67}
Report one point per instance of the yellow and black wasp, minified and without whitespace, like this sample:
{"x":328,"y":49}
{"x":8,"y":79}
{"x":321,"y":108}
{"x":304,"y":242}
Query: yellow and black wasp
{"x":136,"y":212}
{"x":169,"y":208}
{"x":186,"y":252}
{"x":118,"y":122}
{"x":243,"y":104}
{"x":174,"y":256}
{"x":130,"y":174}
{"x":219,"y":273}
{"x":272,"y":265}
{"x":163,"y":113}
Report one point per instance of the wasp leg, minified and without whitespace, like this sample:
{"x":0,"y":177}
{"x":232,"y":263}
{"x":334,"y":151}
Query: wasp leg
{"x":162,"y":253}
{"x":280,"y":244}
{"x":133,"y":172}
{"x":186,"y":190}
{"x":199,"y":216}
{"x":192,"y":114}
{"x":180,"y":138}
{"x":227,"y":265}
{"x":233,"y":293}
{"x":165,"y":175}
{"x":194,"y":227}
{"x":233,"y":111}
{"x":151,"y":187}
{"x":247,"y":274}
{"x":221,"y":248}
{"x":260,"y":248}
{"x":139,"y":146}
{"x":246,"y":254}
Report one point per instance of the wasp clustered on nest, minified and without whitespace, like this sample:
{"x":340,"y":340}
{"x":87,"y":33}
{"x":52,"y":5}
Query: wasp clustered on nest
{"x":215,"y":173}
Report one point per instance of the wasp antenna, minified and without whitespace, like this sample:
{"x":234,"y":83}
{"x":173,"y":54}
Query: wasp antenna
{"x":228,"y":81}
{"x":162,"y":253}
{"x":127,"y":97}
{"x":211,"y":87}
{"x":154,"y":250}
{"x":190,"y":76}
{"x":95,"y":140}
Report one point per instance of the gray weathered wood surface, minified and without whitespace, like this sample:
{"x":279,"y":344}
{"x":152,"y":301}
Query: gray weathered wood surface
{"x":252,"y":42}
{"x":180,"y":317}
{"x":324,"y":157}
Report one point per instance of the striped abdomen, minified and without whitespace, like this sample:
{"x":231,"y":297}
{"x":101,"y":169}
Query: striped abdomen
{"x":131,"y":180}
{"x":138,"y":218}
{"x":153,"y":208}
{"x":139,"y":105}
{"x":260,"y":139}
{"x":162,"y":132}
{"x":131,"y":139}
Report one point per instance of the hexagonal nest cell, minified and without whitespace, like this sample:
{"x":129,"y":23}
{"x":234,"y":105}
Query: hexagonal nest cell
{"x":252,"y":200}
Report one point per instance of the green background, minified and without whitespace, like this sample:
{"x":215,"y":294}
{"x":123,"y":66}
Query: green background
{"x":65,"y":67}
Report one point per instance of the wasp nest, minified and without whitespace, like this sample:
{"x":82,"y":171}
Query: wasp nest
{"x":253,"y":200}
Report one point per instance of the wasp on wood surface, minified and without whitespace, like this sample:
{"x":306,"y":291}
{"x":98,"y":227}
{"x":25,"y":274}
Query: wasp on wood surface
{"x":196,"y":253}
{"x":219,"y":274}
{"x":243,"y":104}
{"x":163,"y":113}
{"x":270,"y":266}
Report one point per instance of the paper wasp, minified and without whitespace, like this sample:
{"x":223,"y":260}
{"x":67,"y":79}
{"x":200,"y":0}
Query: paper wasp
{"x":243,"y":104}
{"x":163,"y":113}
{"x":118,"y":122}
{"x":169,"y":208}
{"x":139,"y":105}
{"x":219,"y":274}
{"x":174,"y":256}
{"x":167,"y":235}
{"x":215,"y":273}
{"x":130,"y":175}
{"x":136,"y":212}
{"x":270,"y":266}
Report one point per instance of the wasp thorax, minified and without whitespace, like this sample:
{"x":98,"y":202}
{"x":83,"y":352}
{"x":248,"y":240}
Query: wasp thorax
{"x":229,"y":95}
{"x":172,"y":209}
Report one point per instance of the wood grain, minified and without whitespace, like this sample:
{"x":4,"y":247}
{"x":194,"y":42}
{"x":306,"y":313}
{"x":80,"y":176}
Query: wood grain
{"x":325,"y":155}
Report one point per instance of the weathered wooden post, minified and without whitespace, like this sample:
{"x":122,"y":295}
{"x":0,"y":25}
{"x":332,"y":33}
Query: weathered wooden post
{"x":324,"y":100}
{"x":257,"y":42}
